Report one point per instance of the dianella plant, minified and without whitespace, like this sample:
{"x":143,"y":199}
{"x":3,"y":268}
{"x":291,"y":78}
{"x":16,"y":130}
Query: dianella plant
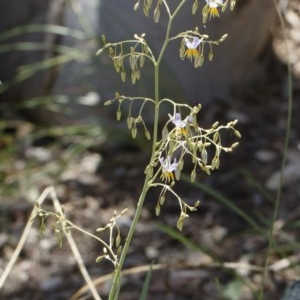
{"x":181,"y":136}
{"x":180,"y":139}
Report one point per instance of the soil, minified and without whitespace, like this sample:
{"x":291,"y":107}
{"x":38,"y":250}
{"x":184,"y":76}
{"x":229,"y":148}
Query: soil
{"x":221,"y":255}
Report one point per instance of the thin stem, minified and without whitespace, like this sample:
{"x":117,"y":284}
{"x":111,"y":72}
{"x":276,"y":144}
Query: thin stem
{"x":74,"y":248}
{"x":108,"y":247}
{"x":23,"y":238}
{"x":114,"y":293}
{"x":284,"y":153}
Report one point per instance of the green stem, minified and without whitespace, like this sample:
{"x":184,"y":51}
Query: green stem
{"x":114,"y":293}
{"x":284,"y":155}
{"x":115,"y":290}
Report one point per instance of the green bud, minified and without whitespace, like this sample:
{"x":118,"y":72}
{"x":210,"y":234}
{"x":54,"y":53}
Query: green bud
{"x":133,"y":77}
{"x":179,"y":224}
{"x":223,"y":38}
{"x":99,"y":51}
{"x":157,"y":210}
{"x":204,"y":156}
{"x":145,"y":49}
{"x":100,"y":229}
{"x":132,"y":61}
{"x":108,"y":102}
{"x":123,"y":75}
{"x":200,"y":146}
{"x":149,"y":171}
{"x":156,"y":14}
{"x":177,"y":173}
{"x":195,"y":7}
{"x":165,"y":133}
{"x":224,"y":6}
{"x":206,"y":169}
{"x":193,"y":175}
{"x":124,"y":211}
{"x":146,"y":10}
{"x":129,"y":122}
{"x":234,"y":145}
{"x":119,"y":250}
{"x":133,"y":131}
{"x":180,"y":164}
{"x":138,"y":74}
{"x":216,"y":137}
{"x":215,"y":163}
{"x":181,"y":219}
{"x":194,"y":160}
{"x":142,"y":60}
{"x":100,"y":258}
{"x":148,"y":135}
{"x":201,"y":60}
{"x":136,"y":6}
{"x":148,"y":3}
{"x":205,"y":12}
{"x":111,"y":51}
{"x":118,"y":240}
{"x":232,"y":4}
{"x":197,"y":204}
{"x":237,"y":133}
{"x":182,"y":49}
{"x":119,"y":114}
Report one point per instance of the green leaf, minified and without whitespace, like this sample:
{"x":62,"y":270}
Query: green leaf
{"x":146,"y":284}
{"x":226,"y":202}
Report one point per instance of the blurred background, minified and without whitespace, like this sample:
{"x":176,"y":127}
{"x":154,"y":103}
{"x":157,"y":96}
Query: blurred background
{"x":56,"y":131}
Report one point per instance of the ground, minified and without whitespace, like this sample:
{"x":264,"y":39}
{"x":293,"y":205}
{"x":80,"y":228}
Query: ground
{"x":223,"y":251}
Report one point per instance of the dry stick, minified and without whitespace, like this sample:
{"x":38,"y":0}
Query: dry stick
{"x":238,"y":266}
{"x":75,"y":250}
{"x":23,"y":238}
{"x":49,"y":191}
{"x":107,"y":277}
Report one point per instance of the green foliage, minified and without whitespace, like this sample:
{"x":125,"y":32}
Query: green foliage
{"x":146,"y":285}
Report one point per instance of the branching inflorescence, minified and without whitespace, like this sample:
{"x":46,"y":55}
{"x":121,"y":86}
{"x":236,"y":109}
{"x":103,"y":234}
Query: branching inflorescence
{"x":181,"y":138}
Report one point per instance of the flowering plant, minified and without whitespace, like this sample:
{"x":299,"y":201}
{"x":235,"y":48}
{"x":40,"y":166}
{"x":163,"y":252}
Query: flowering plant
{"x":181,"y":136}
